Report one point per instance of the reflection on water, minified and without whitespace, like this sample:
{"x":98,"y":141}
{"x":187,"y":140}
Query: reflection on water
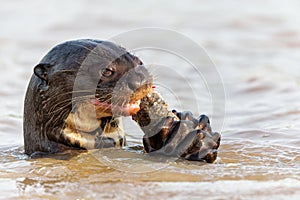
{"x":256,"y":49}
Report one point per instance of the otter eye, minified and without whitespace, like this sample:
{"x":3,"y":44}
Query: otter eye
{"x":107,"y":72}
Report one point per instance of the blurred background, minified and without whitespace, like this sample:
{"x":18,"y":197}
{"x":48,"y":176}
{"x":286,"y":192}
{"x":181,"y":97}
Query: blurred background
{"x":255,"y":46}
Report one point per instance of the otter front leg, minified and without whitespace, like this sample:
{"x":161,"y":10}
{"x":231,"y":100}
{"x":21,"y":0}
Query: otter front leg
{"x":176,"y":134}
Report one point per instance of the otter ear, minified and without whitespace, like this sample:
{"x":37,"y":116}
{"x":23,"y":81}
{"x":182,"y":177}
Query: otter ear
{"x":41,"y":71}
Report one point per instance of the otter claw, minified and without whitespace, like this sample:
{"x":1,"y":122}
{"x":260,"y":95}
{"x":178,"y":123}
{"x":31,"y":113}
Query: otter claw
{"x":201,"y":123}
{"x":204,"y":123}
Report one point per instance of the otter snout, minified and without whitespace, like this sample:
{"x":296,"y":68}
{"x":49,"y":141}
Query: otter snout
{"x":137,"y":77}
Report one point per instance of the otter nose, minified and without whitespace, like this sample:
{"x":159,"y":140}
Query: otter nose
{"x":138,"y":76}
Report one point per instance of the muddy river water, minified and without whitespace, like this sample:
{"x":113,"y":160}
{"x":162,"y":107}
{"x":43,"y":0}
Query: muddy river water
{"x":255,"y":47}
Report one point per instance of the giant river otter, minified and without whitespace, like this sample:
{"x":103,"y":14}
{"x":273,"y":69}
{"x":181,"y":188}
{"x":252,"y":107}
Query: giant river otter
{"x":80,"y":90}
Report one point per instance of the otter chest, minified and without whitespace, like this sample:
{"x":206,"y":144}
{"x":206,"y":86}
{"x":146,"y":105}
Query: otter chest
{"x":89,"y":128}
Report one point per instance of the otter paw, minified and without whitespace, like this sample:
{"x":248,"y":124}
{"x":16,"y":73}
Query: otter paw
{"x":205,"y":148}
{"x":188,"y":139}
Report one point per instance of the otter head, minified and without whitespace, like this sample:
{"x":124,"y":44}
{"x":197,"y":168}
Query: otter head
{"x":93,"y":79}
